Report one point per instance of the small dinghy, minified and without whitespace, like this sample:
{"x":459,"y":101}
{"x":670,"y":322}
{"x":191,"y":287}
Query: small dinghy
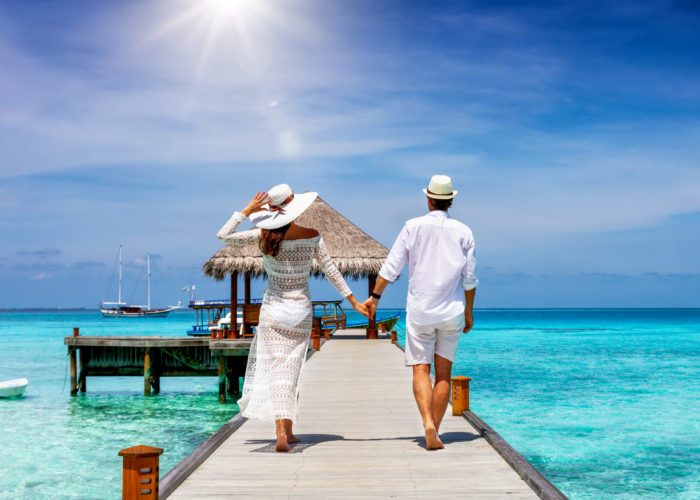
{"x":12,"y":388}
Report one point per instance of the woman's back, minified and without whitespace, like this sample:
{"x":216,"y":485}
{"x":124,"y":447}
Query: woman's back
{"x":289,"y":270}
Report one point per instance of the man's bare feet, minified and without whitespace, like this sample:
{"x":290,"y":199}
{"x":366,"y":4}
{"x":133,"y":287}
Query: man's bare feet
{"x":282,"y":444}
{"x":291,"y":438}
{"x":432,"y":441}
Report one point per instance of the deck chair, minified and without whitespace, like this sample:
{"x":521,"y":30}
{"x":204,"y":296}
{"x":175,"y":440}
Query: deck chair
{"x":251,"y":317}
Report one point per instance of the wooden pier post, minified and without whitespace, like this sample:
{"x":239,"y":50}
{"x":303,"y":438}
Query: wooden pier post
{"x":234,"y":304}
{"x":372,"y":325}
{"x":140,"y":472}
{"x":460,"y":395}
{"x":82,"y":378}
{"x":247,"y":329}
{"x":74,"y":366}
{"x":246,"y":292}
{"x":222,"y":379}
{"x":316,"y":333}
{"x":156,"y":364}
{"x":147,"y":371}
{"x":232,"y":380}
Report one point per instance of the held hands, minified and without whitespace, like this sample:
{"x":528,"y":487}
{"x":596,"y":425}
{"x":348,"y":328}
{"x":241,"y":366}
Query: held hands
{"x":359,"y":306}
{"x":371,"y":304}
{"x":256,"y":204}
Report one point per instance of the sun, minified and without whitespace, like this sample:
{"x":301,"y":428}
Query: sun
{"x":243,"y":28}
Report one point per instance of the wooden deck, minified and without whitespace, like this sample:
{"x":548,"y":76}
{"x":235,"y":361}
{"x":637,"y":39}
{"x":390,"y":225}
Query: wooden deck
{"x":361,"y":438}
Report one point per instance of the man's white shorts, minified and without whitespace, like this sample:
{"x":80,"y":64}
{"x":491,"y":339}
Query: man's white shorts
{"x":423,"y":342}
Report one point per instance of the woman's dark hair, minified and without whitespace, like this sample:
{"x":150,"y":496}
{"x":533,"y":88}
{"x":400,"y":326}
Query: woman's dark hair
{"x":270,"y":240}
{"x":441,"y":204}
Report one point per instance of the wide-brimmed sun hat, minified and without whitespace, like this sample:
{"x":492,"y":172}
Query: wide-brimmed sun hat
{"x":440,"y":188}
{"x":284,"y":206}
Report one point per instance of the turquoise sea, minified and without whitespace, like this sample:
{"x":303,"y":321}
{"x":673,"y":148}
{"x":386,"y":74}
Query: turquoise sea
{"x":604,"y":402}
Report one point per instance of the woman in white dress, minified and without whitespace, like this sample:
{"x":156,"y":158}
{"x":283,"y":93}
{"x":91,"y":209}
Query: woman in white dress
{"x":278,"y":351}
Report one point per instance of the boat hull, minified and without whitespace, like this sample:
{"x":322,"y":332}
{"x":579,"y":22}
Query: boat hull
{"x":385,"y":324}
{"x":150,"y":313}
{"x":13,"y":388}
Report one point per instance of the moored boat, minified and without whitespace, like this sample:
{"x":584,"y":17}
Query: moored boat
{"x":12,"y":388}
{"x":120,"y":309}
{"x":384,"y":324}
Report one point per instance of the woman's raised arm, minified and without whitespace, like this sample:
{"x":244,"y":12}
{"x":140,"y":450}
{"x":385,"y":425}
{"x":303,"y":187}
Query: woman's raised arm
{"x":228,"y":232}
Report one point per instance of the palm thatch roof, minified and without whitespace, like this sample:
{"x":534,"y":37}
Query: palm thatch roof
{"x":354,"y":252}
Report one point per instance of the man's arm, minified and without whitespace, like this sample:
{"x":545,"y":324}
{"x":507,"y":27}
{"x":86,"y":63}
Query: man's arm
{"x":372,"y":302}
{"x":393,"y":265}
{"x":469,"y":283}
{"x":469,"y":309}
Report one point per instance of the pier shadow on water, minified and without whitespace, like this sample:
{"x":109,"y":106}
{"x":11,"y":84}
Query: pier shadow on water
{"x":309,"y":440}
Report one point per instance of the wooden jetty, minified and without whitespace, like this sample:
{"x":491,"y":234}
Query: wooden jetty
{"x":361,"y":438}
{"x":154,"y":357}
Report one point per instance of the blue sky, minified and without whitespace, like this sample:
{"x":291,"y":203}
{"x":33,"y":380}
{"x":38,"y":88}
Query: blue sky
{"x":571,"y":129}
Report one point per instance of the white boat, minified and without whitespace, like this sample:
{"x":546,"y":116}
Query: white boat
{"x":120,"y":309}
{"x":12,"y":388}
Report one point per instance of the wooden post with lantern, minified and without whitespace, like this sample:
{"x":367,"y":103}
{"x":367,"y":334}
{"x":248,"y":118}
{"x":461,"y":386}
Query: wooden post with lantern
{"x":140,"y":472}
{"x":460,"y":395}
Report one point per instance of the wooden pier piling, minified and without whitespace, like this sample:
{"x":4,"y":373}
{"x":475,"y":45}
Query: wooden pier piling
{"x":222,"y":378}
{"x":235,"y":369}
{"x":147,"y":371}
{"x":140,"y":472}
{"x":234,"y":303}
{"x":156,"y":355}
{"x":74,"y":366}
{"x":82,"y":377}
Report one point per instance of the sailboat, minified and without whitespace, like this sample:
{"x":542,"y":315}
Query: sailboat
{"x":120,"y":309}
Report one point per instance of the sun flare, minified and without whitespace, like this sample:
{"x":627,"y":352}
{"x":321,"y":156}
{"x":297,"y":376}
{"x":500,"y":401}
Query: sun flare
{"x":223,"y":29}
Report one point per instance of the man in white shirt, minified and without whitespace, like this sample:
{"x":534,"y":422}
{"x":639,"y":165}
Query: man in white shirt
{"x":439,"y":252}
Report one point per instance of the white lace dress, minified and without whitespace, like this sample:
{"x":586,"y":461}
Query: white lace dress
{"x":278,"y":351}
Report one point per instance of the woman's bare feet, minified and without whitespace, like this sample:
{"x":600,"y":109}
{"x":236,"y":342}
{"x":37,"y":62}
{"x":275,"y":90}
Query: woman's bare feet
{"x":432,"y":441}
{"x":282,"y":444}
{"x":291,"y":438}
{"x":281,"y":431}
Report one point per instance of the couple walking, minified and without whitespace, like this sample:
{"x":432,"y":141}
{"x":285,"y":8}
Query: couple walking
{"x":439,"y":252}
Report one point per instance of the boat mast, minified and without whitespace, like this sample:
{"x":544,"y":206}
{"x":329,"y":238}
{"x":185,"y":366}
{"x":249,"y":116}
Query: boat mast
{"x":119,"y":300}
{"x":148,"y":261}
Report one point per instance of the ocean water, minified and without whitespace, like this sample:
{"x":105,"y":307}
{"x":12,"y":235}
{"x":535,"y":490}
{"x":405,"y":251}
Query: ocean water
{"x":57,"y":446}
{"x":604,"y":402}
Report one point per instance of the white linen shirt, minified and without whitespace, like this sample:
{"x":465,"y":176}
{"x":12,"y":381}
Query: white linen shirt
{"x":440,"y":255}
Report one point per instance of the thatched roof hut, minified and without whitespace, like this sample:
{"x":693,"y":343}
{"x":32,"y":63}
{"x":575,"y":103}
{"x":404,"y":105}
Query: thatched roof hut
{"x":354,"y":252}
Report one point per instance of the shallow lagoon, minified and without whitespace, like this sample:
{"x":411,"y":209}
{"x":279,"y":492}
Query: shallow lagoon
{"x":604,"y":402}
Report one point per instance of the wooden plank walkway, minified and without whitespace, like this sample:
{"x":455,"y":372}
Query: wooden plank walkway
{"x":361,"y":438}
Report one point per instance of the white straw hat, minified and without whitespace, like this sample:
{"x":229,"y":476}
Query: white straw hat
{"x":440,"y":188}
{"x":284,"y":206}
